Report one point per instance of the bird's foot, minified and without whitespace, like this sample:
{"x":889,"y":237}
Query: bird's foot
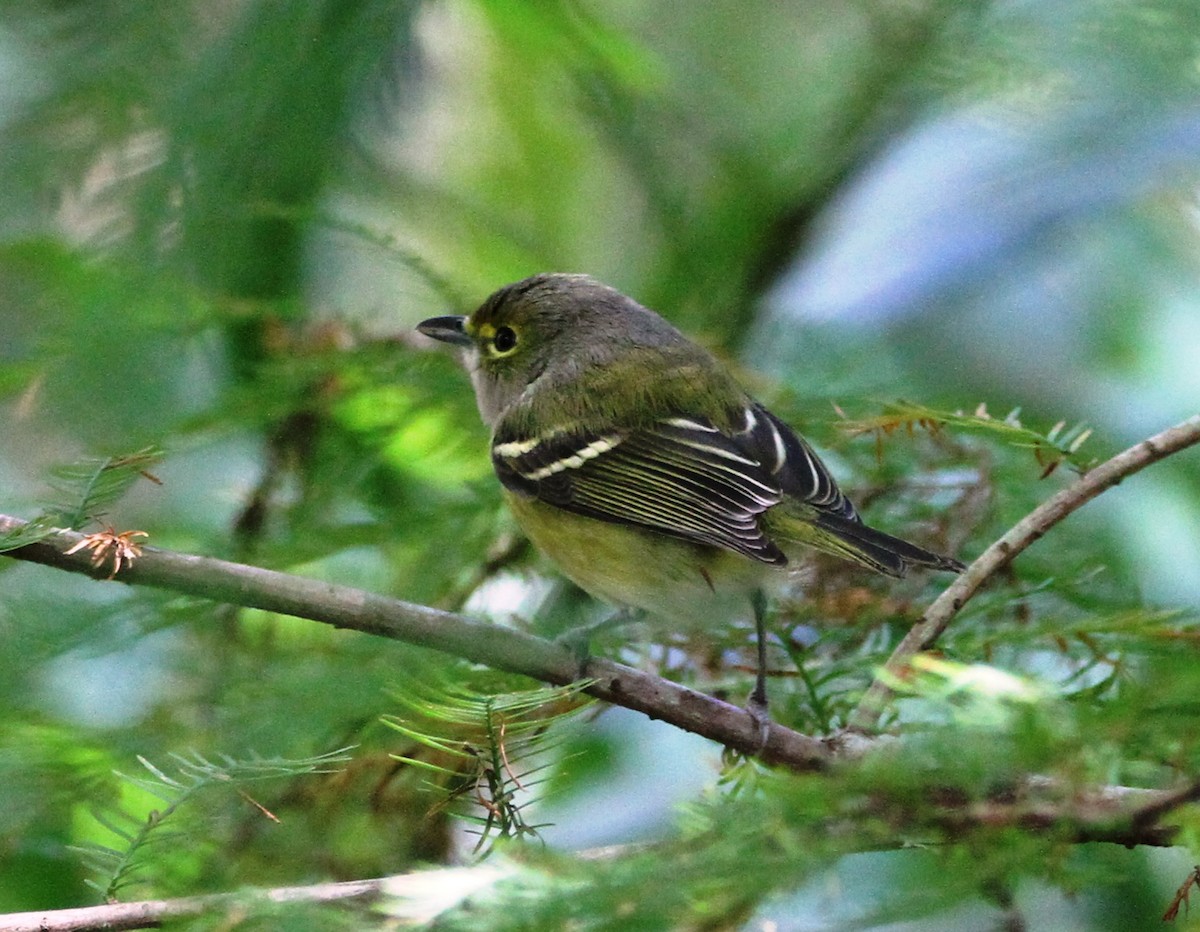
{"x":756,"y":707}
{"x":579,"y":640}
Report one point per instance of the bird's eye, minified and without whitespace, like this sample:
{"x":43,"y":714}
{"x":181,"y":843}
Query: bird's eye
{"x":505,"y":340}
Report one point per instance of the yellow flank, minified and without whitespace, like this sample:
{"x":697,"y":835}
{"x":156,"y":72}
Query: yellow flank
{"x":640,"y":569}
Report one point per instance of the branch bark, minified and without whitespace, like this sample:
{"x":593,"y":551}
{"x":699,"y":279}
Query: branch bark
{"x":500,"y":648}
{"x":148,"y":914}
{"x":1033,"y":526}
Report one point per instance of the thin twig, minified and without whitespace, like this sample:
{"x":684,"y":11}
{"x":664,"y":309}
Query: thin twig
{"x":937,"y":617}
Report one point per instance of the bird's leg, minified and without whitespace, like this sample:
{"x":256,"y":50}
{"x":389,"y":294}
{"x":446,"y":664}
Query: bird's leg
{"x":579,"y":640}
{"x":756,"y":705}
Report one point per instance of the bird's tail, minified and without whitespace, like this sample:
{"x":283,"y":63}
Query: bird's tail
{"x":854,"y":541}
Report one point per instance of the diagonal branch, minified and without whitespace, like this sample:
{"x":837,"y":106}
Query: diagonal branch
{"x":1035,"y":524}
{"x":500,"y":648}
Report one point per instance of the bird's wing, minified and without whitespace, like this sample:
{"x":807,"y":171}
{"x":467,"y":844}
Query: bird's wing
{"x":680,"y":476}
{"x":801,"y":475}
{"x":790,"y":461}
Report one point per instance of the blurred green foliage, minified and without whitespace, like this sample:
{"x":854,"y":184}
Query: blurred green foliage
{"x":218,"y":223}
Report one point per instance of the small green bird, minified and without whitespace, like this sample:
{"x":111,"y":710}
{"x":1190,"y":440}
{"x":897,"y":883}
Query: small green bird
{"x":633,"y":459}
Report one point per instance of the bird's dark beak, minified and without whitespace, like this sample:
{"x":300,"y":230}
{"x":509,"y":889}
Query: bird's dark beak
{"x":446,"y":329}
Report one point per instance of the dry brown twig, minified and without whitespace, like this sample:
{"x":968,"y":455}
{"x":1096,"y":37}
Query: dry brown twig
{"x":119,"y":547}
{"x":1183,"y":895}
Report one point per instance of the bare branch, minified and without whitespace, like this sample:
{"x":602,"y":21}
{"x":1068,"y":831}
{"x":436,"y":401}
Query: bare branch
{"x":150,"y":913}
{"x":937,"y":617}
{"x":500,"y":648}
{"x":1123,"y":815}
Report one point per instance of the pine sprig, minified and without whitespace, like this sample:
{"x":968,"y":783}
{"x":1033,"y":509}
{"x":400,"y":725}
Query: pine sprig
{"x":82,"y":490}
{"x":85,"y":488}
{"x":28,"y":532}
{"x":1060,"y":444}
{"x":118,"y":867}
{"x":485,"y":750}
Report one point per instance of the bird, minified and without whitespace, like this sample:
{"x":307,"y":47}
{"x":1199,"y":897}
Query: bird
{"x":634,"y":460}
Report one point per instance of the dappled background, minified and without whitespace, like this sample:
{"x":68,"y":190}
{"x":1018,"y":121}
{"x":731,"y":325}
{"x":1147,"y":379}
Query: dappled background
{"x":219,"y":223}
